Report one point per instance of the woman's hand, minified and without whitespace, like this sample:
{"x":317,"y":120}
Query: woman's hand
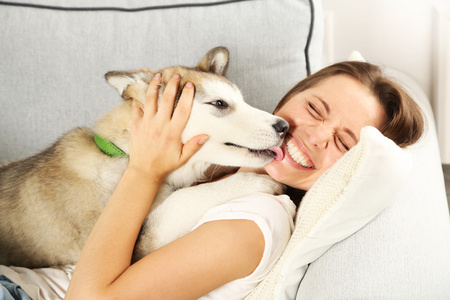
{"x":156,"y":148}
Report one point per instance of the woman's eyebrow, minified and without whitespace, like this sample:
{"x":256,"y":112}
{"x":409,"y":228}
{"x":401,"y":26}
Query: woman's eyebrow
{"x":351,"y":134}
{"x":327,"y":107}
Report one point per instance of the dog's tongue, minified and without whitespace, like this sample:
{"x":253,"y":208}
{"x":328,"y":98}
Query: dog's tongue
{"x":279,"y":155}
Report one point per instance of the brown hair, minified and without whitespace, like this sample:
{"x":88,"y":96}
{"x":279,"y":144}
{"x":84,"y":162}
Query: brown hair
{"x":404,"y":121}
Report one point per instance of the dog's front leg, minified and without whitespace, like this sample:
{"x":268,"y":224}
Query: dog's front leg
{"x":182,"y":210}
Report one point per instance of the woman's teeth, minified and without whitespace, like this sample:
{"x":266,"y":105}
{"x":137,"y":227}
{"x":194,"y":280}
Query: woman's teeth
{"x":296,"y":154}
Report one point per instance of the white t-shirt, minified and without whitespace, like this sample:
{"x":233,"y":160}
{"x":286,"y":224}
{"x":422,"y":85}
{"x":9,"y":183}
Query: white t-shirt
{"x":274,"y":216}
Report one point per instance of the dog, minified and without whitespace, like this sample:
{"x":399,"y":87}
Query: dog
{"x":50,"y":202}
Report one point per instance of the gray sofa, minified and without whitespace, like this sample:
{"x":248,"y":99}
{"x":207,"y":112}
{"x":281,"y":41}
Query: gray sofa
{"x":54,"y":55}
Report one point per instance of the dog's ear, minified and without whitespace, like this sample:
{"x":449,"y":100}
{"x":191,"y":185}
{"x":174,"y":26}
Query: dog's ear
{"x":130,"y":84}
{"x":216,"y":61}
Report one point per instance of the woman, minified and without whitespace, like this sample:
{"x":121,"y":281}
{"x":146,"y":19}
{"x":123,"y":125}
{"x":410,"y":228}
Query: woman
{"x":326,"y":112}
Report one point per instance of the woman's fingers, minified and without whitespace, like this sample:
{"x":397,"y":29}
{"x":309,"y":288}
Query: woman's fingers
{"x":184,"y":106}
{"x":165,"y":106}
{"x":136,"y":112}
{"x":156,"y":145}
{"x":191,"y":147}
{"x":151,"y":97}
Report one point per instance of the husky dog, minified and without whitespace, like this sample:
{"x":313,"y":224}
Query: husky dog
{"x":50,"y":202}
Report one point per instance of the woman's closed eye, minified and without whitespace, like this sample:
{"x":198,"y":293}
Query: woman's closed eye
{"x":342,"y":144}
{"x":315,"y":112}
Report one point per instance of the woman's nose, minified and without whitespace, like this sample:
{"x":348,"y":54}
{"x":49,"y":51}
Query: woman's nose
{"x":319,"y":136}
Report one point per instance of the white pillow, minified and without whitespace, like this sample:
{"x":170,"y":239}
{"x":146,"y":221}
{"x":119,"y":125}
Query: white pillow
{"x":344,"y":199}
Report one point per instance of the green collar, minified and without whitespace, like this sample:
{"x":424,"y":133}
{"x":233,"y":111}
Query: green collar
{"x":108,"y":148}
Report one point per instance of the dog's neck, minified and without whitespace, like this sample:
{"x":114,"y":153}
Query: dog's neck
{"x":108,"y":147}
{"x":189,"y":174}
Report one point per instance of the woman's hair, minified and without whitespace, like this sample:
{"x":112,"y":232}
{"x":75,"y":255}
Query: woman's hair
{"x":404,"y":121}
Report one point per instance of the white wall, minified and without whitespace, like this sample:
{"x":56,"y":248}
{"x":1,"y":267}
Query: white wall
{"x":397,"y":33}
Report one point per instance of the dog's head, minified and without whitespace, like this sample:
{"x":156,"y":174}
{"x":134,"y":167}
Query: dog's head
{"x":239,"y":135}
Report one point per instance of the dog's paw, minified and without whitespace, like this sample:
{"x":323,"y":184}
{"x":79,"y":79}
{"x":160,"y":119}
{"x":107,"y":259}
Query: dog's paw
{"x":258,"y":183}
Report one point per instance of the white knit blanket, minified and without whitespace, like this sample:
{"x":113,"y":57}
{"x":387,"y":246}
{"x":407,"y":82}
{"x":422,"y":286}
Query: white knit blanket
{"x":344,"y":199}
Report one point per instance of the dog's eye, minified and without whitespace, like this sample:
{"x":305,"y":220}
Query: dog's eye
{"x":220,"y":104}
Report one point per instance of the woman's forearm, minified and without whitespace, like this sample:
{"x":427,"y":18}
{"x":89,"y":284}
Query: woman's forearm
{"x":213,"y":254}
{"x":108,"y":250}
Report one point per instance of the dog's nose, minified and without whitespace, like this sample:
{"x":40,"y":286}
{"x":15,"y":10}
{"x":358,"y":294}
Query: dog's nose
{"x":281,"y":127}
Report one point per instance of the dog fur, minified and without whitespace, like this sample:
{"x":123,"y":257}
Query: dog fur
{"x":50,"y":202}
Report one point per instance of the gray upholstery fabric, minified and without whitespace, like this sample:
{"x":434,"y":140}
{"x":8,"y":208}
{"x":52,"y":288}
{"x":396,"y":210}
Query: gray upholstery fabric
{"x":53,"y":57}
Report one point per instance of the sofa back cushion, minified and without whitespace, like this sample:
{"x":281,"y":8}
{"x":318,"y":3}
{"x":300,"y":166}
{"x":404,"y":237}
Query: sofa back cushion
{"x":55,"y":54}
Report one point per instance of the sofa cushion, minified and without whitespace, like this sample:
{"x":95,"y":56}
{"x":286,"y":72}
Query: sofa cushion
{"x":55,"y":53}
{"x":343,"y":200}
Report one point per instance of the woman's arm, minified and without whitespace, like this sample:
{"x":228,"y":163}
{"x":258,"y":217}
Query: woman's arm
{"x":208,"y":257}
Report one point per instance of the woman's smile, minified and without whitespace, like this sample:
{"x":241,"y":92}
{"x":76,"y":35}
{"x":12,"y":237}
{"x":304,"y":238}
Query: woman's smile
{"x":297,"y":154}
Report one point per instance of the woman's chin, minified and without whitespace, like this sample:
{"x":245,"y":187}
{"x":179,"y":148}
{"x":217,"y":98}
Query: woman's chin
{"x":284,"y":172}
